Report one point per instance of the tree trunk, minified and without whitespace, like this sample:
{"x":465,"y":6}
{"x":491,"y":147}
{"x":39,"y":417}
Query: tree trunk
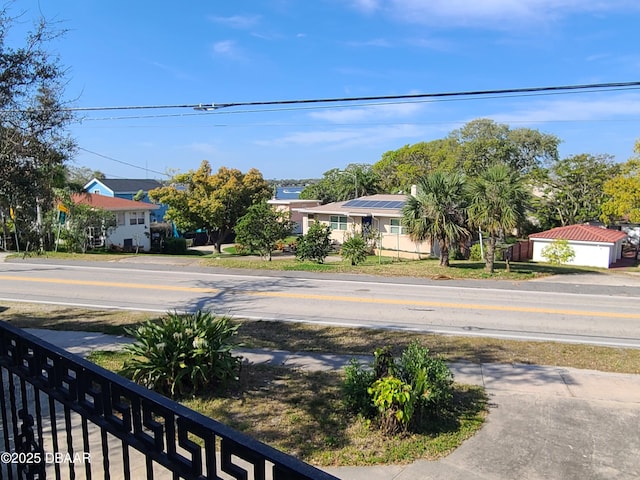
{"x":444,"y":254}
{"x":490,"y":254}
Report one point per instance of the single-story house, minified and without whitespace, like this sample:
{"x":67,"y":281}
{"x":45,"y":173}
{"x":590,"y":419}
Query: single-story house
{"x":593,"y":246}
{"x":292,"y":206}
{"x":133,"y":222}
{"x":380,"y":214}
{"x":128,"y":188}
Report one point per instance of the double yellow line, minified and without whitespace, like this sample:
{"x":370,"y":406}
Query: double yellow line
{"x":332,"y":298}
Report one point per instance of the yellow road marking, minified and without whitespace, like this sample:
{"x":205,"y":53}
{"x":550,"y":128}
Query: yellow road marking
{"x":465,"y":306}
{"x":333,"y":298}
{"x":97,"y":283}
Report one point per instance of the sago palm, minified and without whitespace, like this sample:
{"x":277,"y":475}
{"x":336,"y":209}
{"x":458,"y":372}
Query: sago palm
{"x":437,"y":212}
{"x":496,"y":205}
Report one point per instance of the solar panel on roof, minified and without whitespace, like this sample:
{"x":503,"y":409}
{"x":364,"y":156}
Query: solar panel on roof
{"x":381,"y":204}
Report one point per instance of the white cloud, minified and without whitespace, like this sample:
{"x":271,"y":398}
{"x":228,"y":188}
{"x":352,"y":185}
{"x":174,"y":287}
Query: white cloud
{"x":588,"y":108}
{"x":499,"y":14}
{"x":375,"y":42}
{"x":366,"y":5}
{"x":237,"y":21}
{"x":347,"y":138}
{"x":372,"y":112}
{"x":226,"y":48}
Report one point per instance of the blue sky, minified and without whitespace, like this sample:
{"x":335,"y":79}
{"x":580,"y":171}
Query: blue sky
{"x":122,"y":53}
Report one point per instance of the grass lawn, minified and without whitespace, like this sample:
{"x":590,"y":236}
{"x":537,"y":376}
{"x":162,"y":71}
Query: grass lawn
{"x":302,"y":414}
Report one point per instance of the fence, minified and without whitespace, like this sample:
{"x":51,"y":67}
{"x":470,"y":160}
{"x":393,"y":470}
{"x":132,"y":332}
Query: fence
{"x":63,"y":417}
{"x":520,"y":252}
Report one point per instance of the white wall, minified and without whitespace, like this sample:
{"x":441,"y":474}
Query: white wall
{"x":139,"y":234}
{"x":588,"y":254}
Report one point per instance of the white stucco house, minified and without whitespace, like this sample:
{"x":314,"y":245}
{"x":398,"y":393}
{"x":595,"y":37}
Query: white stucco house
{"x":380,"y":214}
{"x":593,"y":246}
{"x":133,"y":222}
{"x":293,"y":206}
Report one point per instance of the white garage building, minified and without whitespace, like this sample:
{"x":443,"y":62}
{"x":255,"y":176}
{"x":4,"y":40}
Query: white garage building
{"x":593,"y":246}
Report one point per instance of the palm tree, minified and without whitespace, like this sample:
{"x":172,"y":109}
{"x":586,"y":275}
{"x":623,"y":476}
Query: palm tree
{"x":437,"y":212}
{"x":496,"y":205}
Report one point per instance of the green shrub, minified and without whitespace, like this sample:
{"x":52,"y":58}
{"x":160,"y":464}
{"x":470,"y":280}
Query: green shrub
{"x":395,"y":403}
{"x":355,"y":249}
{"x":182,"y":354}
{"x":429,"y":376}
{"x":355,"y":387}
{"x":403,"y":394}
{"x":174,"y":246}
{"x":316,"y":244}
{"x":475,"y":253}
{"x":558,"y":252}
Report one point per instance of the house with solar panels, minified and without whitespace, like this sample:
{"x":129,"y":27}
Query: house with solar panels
{"x":381,"y":214}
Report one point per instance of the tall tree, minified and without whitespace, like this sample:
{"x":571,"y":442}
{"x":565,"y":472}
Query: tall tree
{"x":213,"y":202}
{"x":262,"y":227}
{"x":484,"y":143}
{"x":572,"y":189}
{"x":399,"y":169}
{"x":497,"y":200}
{"x":34,"y":142}
{"x":356,"y":180}
{"x":437,"y":212}
{"x":623,"y":192}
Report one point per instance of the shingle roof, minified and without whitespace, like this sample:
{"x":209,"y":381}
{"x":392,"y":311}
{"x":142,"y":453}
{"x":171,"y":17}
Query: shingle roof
{"x":582,"y":233}
{"x":111,"y":203}
{"x":130,"y":185}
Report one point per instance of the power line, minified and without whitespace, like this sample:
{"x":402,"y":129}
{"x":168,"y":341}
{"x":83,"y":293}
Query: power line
{"x":122,"y":162}
{"x":414,"y":96}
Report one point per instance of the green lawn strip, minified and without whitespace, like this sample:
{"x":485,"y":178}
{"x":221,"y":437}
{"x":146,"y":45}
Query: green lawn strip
{"x":302,"y":414}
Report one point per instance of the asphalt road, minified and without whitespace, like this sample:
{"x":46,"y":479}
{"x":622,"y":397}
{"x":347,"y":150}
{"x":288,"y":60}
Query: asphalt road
{"x":596,"y":313}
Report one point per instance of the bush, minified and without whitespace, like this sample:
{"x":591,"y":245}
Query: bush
{"x":174,"y":246}
{"x":402,"y":394}
{"x":315,"y":245}
{"x":558,"y":252}
{"x":182,"y":354}
{"x":354,"y":389}
{"x":475,"y":253}
{"x":395,"y":402}
{"x":355,"y":249}
{"x":429,"y":377}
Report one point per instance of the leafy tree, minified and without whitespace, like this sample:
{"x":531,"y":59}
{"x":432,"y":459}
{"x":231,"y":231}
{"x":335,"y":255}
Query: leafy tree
{"x":558,"y":252}
{"x":399,"y":169}
{"x":336,"y":185}
{"x":316,"y":244}
{"x":437,"y":212}
{"x":496,"y":205}
{"x":213,"y":202}
{"x":355,"y":249}
{"x":623,"y":192}
{"x":483,"y":143}
{"x":78,"y":177}
{"x":34,"y":143}
{"x":262,"y":227}
{"x":82,"y":219}
{"x":572,"y":189}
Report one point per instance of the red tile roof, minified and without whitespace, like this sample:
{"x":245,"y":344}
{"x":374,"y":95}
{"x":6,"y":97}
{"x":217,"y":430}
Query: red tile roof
{"x":111,"y":203}
{"x":582,"y":233}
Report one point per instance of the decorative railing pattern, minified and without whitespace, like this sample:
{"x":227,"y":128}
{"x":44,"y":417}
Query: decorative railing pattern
{"x":64,"y":417}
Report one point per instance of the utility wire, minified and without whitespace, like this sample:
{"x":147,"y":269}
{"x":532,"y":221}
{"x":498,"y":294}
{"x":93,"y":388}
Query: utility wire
{"x":214,"y":106}
{"x":122,"y":162}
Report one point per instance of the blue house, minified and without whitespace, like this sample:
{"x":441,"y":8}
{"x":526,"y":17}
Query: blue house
{"x":127,"y":188}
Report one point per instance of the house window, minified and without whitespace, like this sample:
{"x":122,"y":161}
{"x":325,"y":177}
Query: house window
{"x":338,"y":222}
{"x":120,"y":218}
{"x":396,"y":226}
{"x":136,"y":218}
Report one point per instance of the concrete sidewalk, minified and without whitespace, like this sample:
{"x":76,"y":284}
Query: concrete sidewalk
{"x":544,"y":422}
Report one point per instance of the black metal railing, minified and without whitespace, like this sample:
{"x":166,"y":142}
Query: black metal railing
{"x":64,"y":417}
